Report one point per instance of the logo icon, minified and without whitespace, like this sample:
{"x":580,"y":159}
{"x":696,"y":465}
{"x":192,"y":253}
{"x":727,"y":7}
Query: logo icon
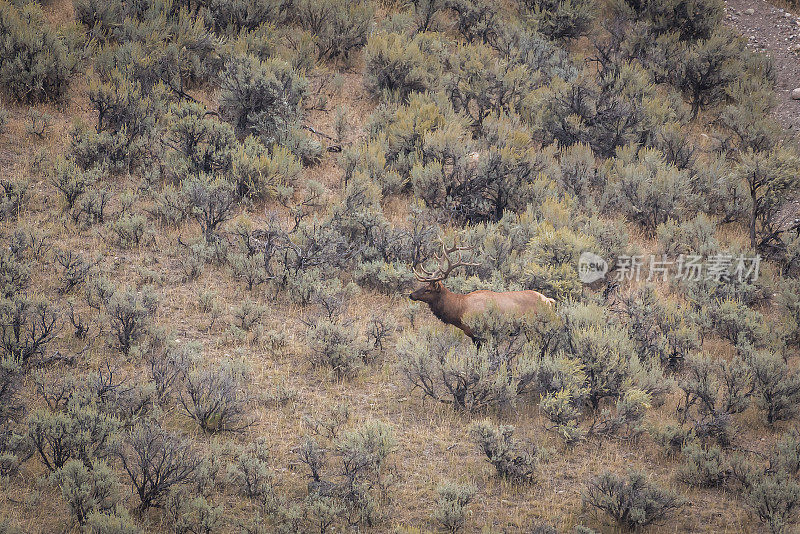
{"x":591,"y":267}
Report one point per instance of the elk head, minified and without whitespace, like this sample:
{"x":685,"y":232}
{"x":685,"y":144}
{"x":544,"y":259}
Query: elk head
{"x":433,"y":287}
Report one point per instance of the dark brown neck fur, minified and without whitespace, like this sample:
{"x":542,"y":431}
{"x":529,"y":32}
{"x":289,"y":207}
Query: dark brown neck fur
{"x":449,"y":308}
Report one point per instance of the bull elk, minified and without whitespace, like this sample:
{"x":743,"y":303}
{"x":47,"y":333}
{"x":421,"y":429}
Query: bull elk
{"x":452,"y":308}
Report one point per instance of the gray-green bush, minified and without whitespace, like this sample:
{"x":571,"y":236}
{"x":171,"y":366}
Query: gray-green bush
{"x":261,"y":98}
{"x":632,"y":501}
{"x":35,"y":62}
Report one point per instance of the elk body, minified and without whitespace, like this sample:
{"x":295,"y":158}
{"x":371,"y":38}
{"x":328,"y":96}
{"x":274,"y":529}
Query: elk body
{"x":452,"y":308}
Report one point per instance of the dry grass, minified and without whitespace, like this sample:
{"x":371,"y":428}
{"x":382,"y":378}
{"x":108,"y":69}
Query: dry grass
{"x":433,"y":444}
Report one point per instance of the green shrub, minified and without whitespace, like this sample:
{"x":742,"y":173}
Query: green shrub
{"x":479,"y":85}
{"x":35,"y":62}
{"x":166,"y":49}
{"x":38,"y":123}
{"x":712,"y":392}
{"x":339,"y":29}
{"x":85,"y":489}
{"x":71,"y":182}
{"x":365,"y":471}
{"x":109,"y":152}
{"x":628,"y":415}
{"x":167,"y":366}
{"x":260,"y":174}
{"x":785,"y":457}
{"x":100,"y":18}
{"x":122,"y":106}
{"x":504,"y":452}
{"x":562,"y":19}
{"x":551,"y":258}
{"x":250,"y":269}
{"x":746,"y":119}
{"x":331,"y":423}
{"x":335,"y":345}
{"x":129,"y":229}
{"x":250,"y":473}
{"x":769,"y":177}
{"x":304,"y":147}
{"x":606,"y":111}
{"x":706,"y":69}
{"x":249,"y":315}
{"x":396,"y":65}
{"x":452,"y":371}
{"x":521,"y":44}
{"x":646,"y":189}
{"x":211,"y":201}
{"x":473,"y":186}
{"x":9,"y":462}
{"x":789,"y":301}
{"x":695,"y":236}
{"x":692,"y":19}
{"x":359,"y":218}
{"x":451,"y":505}
{"x":736,"y":322}
{"x":577,"y":173}
{"x":261,"y":98}
{"x":660,"y":327}
{"x":261,"y":42}
{"x":674,"y":141}
{"x":673,"y":438}
{"x":564,"y":408}
{"x":774,"y":499}
{"x":106,"y":523}
{"x":776,"y":386}
{"x":13,"y":195}
{"x":322,"y":511}
{"x":388,"y":278}
{"x":632,"y":501}
{"x":476,"y":19}
{"x":200,"y":143}
{"x":427,"y":14}
{"x":703,"y":467}
{"x":74,"y":270}
{"x":603,"y":349}
{"x":79,"y":433}
{"x":188,"y":514}
{"x":14,"y":273}
{"x":233,"y":16}
{"x":91,"y":207}
{"x":402,"y":132}
{"x":130,"y":313}
{"x":541,"y":527}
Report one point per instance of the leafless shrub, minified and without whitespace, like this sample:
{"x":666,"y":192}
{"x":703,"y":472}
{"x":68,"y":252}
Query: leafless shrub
{"x":26,"y":329}
{"x":215,"y":398}
{"x":330,"y":424}
{"x":166,"y":366}
{"x":156,"y":461}
{"x":74,"y":270}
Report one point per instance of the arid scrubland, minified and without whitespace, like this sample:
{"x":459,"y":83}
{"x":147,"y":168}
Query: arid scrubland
{"x":210,"y":216}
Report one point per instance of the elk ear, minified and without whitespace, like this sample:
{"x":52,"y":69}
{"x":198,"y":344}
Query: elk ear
{"x":437,"y":286}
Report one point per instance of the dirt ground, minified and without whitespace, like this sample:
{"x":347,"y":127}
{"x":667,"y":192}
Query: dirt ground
{"x":776,"y":32}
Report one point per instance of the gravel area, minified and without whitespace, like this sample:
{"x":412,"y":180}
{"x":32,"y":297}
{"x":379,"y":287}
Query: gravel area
{"x":775,"y":32}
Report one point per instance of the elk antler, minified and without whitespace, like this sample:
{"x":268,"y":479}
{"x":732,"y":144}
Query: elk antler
{"x":446,"y":265}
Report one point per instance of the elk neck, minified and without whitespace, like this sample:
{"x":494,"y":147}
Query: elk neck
{"x":449,"y":307}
